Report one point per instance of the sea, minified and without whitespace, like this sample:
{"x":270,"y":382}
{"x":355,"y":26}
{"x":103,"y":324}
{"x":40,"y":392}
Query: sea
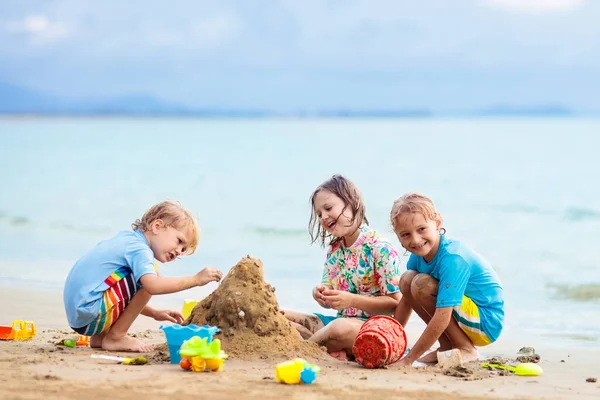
{"x":523,"y":192}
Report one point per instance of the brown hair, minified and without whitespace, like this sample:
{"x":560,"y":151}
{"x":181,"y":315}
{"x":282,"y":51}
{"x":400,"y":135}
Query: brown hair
{"x":413,"y":203}
{"x":173,"y":214}
{"x":349,"y":194}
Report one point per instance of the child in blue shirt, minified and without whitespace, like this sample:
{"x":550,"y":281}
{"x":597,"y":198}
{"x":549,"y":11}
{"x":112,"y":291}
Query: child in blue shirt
{"x":111,"y":285}
{"x":451,"y":287}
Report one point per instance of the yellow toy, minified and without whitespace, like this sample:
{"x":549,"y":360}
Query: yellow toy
{"x":188,"y":306}
{"x":296,"y":371}
{"x":198,"y":355}
{"x":20,"y":330}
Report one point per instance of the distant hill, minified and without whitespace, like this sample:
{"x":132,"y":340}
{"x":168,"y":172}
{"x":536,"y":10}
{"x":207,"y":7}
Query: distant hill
{"x":19,"y":100}
{"x":16,"y":100}
{"x":541,"y":111}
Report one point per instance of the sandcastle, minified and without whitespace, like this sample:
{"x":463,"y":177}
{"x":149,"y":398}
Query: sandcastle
{"x":245,"y":309}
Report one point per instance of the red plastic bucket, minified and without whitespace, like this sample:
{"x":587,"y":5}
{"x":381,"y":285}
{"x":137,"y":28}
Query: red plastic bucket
{"x":380,"y":341}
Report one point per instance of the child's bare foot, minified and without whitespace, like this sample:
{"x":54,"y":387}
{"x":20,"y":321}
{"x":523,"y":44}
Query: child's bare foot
{"x":125,"y":343}
{"x":339,"y":355}
{"x":96,"y":341}
{"x":469,"y":355}
{"x":431,"y":358}
{"x":461,"y":356}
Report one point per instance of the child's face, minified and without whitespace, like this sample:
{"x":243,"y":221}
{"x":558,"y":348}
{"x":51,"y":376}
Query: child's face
{"x":167,"y":243}
{"x":333,"y":214}
{"x":418,"y":235}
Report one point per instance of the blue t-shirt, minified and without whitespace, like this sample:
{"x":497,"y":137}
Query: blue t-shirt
{"x":461,"y":271}
{"x":85,"y":285}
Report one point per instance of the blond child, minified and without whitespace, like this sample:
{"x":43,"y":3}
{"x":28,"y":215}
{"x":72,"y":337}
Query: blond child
{"x":452,"y":288}
{"x":111,"y":285}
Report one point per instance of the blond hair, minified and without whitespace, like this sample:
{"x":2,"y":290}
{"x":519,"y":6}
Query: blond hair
{"x":413,"y":203}
{"x":173,"y":214}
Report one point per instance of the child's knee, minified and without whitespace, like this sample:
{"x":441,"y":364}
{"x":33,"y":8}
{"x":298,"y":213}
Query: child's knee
{"x":406,"y":281}
{"x":337,"y":329}
{"x":424,"y":286}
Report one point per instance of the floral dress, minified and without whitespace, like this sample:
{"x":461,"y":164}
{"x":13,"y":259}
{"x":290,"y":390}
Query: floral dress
{"x":369,"y":267}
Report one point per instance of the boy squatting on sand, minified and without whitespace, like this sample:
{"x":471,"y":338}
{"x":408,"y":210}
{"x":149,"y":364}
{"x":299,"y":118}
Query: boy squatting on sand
{"x":111,"y":285}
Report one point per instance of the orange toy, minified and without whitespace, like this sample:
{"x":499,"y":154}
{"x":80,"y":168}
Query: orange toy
{"x":20,"y":330}
{"x":83,"y":340}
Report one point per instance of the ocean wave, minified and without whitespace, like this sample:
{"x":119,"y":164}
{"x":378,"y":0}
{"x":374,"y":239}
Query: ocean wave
{"x":581,"y":214}
{"x":522,"y":209}
{"x":15,"y":220}
{"x":20,"y":221}
{"x":570,"y":213}
{"x":575,"y":336}
{"x":83,"y":228}
{"x":582,"y":293}
{"x":270,"y":231}
{"x":24,"y":222}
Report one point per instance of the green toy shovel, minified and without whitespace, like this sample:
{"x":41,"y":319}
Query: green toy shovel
{"x":523,"y":369}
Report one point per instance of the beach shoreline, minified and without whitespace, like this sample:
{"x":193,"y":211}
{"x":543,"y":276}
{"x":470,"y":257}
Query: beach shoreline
{"x":38,"y":368}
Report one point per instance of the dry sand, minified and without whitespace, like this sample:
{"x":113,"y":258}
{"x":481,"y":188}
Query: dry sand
{"x":245,"y":308}
{"x":39,"y":369}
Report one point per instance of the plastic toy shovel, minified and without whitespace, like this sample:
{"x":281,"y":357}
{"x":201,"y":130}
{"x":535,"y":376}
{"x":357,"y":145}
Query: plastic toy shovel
{"x":523,"y":369}
{"x":126,"y":361}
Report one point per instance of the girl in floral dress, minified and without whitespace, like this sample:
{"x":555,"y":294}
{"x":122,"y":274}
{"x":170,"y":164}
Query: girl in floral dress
{"x":361,"y":274}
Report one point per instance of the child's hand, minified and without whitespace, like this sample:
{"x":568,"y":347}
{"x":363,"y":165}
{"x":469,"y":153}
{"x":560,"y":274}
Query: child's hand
{"x":168,"y":315}
{"x":338,"y":299}
{"x":208,"y":275}
{"x":318,"y":295}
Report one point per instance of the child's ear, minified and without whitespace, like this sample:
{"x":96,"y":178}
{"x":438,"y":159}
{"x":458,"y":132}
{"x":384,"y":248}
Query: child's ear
{"x":438,"y":222}
{"x":157,"y":225}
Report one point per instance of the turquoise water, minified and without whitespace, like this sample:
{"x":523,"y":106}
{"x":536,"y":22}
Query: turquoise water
{"x":522,"y":192}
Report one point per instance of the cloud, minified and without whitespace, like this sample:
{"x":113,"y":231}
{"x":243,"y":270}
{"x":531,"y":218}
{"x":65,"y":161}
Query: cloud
{"x":537,"y":6}
{"x":38,"y":28}
{"x":231,"y":51}
{"x":204,"y":33}
{"x":211,"y":32}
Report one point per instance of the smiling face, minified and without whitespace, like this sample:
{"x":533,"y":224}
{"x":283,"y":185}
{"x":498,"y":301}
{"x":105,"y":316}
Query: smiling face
{"x":418,"y":235}
{"x":334,"y":216}
{"x":167,"y":242}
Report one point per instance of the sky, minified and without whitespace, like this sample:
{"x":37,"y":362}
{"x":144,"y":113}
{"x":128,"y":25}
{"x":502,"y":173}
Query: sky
{"x":308,"y":54}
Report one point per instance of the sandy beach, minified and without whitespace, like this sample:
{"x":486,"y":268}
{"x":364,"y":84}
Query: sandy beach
{"x":39,"y":369}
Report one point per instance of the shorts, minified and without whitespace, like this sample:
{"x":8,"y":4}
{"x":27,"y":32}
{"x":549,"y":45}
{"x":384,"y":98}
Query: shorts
{"x":467,"y":316}
{"x":114,"y":301}
{"x":326,"y":319}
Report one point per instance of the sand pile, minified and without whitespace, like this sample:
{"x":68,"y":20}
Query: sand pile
{"x":246,"y":311}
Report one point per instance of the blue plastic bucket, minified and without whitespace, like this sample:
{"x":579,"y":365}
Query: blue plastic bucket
{"x":177,"y":334}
